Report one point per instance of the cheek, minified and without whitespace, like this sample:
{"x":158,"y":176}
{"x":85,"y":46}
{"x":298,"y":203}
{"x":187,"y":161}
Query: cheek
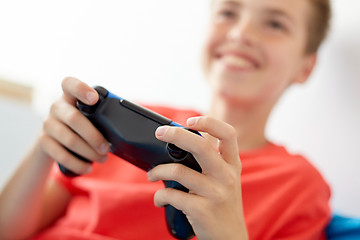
{"x":282,"y":59}
{"x":282,"y":69}
{"x":213,"y":40}
{"x":207,"y":54}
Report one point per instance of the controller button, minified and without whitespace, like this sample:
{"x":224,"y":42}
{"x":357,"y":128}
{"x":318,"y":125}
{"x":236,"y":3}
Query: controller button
{"x":102,"y":92}
{"x":87,"y":109}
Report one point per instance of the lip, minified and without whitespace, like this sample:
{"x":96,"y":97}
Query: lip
{"x":252,"y":62}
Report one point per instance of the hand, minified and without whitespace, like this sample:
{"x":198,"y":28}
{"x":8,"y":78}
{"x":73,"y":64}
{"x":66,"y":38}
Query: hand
{"x":213,"y":205}
{"x":67,"y":127}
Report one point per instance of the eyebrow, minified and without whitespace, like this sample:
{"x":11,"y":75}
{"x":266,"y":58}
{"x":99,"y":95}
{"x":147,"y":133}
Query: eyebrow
{"x":267,"y":10}
{"x":218,"y":2}
{"x":276,"y":12}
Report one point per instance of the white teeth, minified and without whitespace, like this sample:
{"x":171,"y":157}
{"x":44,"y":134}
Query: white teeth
{"x":237,"y":61}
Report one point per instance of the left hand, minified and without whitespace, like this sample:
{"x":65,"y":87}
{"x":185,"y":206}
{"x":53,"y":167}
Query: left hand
{"x":213,"y":205}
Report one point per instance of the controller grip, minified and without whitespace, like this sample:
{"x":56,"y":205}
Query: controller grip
{"x":176,"y":220}
{"x":68,"y":172}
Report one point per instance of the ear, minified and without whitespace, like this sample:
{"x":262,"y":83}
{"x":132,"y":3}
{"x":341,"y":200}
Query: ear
{"x":306,"y":68}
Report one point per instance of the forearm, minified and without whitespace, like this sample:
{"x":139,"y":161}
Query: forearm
{"x":21,"y":200}
{"x":29,"y":202}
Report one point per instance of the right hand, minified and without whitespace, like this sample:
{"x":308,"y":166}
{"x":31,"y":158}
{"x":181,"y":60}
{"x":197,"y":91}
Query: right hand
{"x":66,"y":127}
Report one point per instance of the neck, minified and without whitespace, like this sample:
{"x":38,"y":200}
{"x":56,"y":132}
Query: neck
{"x":249,"y":122}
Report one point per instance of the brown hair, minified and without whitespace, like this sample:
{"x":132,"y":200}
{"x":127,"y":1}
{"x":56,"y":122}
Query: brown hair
{"x":319,"y":23}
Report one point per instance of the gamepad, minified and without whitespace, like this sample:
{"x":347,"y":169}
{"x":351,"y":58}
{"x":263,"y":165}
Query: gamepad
{"x":130,"y":129}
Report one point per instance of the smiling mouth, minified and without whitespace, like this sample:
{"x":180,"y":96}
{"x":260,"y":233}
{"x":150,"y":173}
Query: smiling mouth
{"x":238,"y":62}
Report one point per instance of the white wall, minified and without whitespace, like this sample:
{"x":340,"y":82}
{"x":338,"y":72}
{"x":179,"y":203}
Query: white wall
{"x":149,"y":51}
{"x":132,"y":47}
{"x":19,"y":126}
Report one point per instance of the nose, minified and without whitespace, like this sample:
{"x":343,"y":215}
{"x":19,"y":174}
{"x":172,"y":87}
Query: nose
{"x":243,"y":32}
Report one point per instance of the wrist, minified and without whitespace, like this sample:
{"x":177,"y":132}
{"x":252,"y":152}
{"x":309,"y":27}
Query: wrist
{"x":39,"y":150}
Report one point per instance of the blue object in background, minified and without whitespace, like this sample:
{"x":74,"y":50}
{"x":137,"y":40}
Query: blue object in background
{"x":343,"y":228}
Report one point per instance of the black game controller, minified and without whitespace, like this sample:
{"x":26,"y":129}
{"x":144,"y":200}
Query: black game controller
{"x":130,"y":129}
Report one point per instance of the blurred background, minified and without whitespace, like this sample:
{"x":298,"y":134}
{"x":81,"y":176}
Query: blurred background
{"x":149,"y":51}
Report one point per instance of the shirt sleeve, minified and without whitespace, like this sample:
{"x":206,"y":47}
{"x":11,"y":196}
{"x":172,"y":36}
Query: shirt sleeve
{"x":309,"y":213}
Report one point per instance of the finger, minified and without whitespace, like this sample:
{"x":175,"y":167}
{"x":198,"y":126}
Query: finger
{"x":62,"y":156}
{"x":72,"y":117}
{"x":75,"y":90}
{"x":68,"y":138}
{"x":178,"y":199}
{"x":225,"y":133}
{"x":202,"y":150}
{"x":189,"y":178}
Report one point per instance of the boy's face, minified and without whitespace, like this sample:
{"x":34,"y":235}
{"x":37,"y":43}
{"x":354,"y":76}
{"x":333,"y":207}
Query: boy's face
{"x":256,"y":48}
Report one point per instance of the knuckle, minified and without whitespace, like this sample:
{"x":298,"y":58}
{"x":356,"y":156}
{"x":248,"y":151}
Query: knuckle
{"x":174,"y":132}
{"x":232,"y":180}
{"x":171,"y":134}
{"x":68,"y":78}
{"x":49,"y":125}
{"x":231,"y":131}
{"x":97,"y":140}
{"x":159,"y":197}
{"x":218,"y":194}
{"x":205,"y":148}
{"x":71,"y":140}
{"x":205,"y":120}
{"x":54,"y":107}
{"x":73,"y":117}
{"x":220,"y":198}
{"x":77,"y":85}
{"x":43,"y":140}
{"x":160,"y":194}
{"x":46,"y":124}
{"x":201,"y":211}
{"x":66,"y":81}
{"x":156,"y":196}
{"x":178,"y":171}
{"x":63,"y":158}
{"x":166,"y":193}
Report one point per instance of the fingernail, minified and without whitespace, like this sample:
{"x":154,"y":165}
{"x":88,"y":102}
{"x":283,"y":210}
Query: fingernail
{"x":91,"y":97}
{"x":104,"y":148}
{"x":160,"y":131}
{"x":191,"y":121}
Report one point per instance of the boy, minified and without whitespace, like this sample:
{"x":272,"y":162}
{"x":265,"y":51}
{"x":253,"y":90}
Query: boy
{"x":254,"y":50}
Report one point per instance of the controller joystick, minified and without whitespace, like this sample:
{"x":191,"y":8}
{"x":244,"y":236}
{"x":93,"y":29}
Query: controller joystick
{"x":177,"y":153}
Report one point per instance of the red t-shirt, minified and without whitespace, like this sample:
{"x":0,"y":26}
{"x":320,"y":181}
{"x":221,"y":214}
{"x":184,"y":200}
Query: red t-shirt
{"x":284,"y":197}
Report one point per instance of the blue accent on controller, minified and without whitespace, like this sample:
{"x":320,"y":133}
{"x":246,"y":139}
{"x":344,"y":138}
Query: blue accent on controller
{"x":111,"y":95}
{"x":175,"y":124}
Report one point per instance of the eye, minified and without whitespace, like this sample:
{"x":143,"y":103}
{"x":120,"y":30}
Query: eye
{"x":227,"y":13}
{"x":277,"y":25}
